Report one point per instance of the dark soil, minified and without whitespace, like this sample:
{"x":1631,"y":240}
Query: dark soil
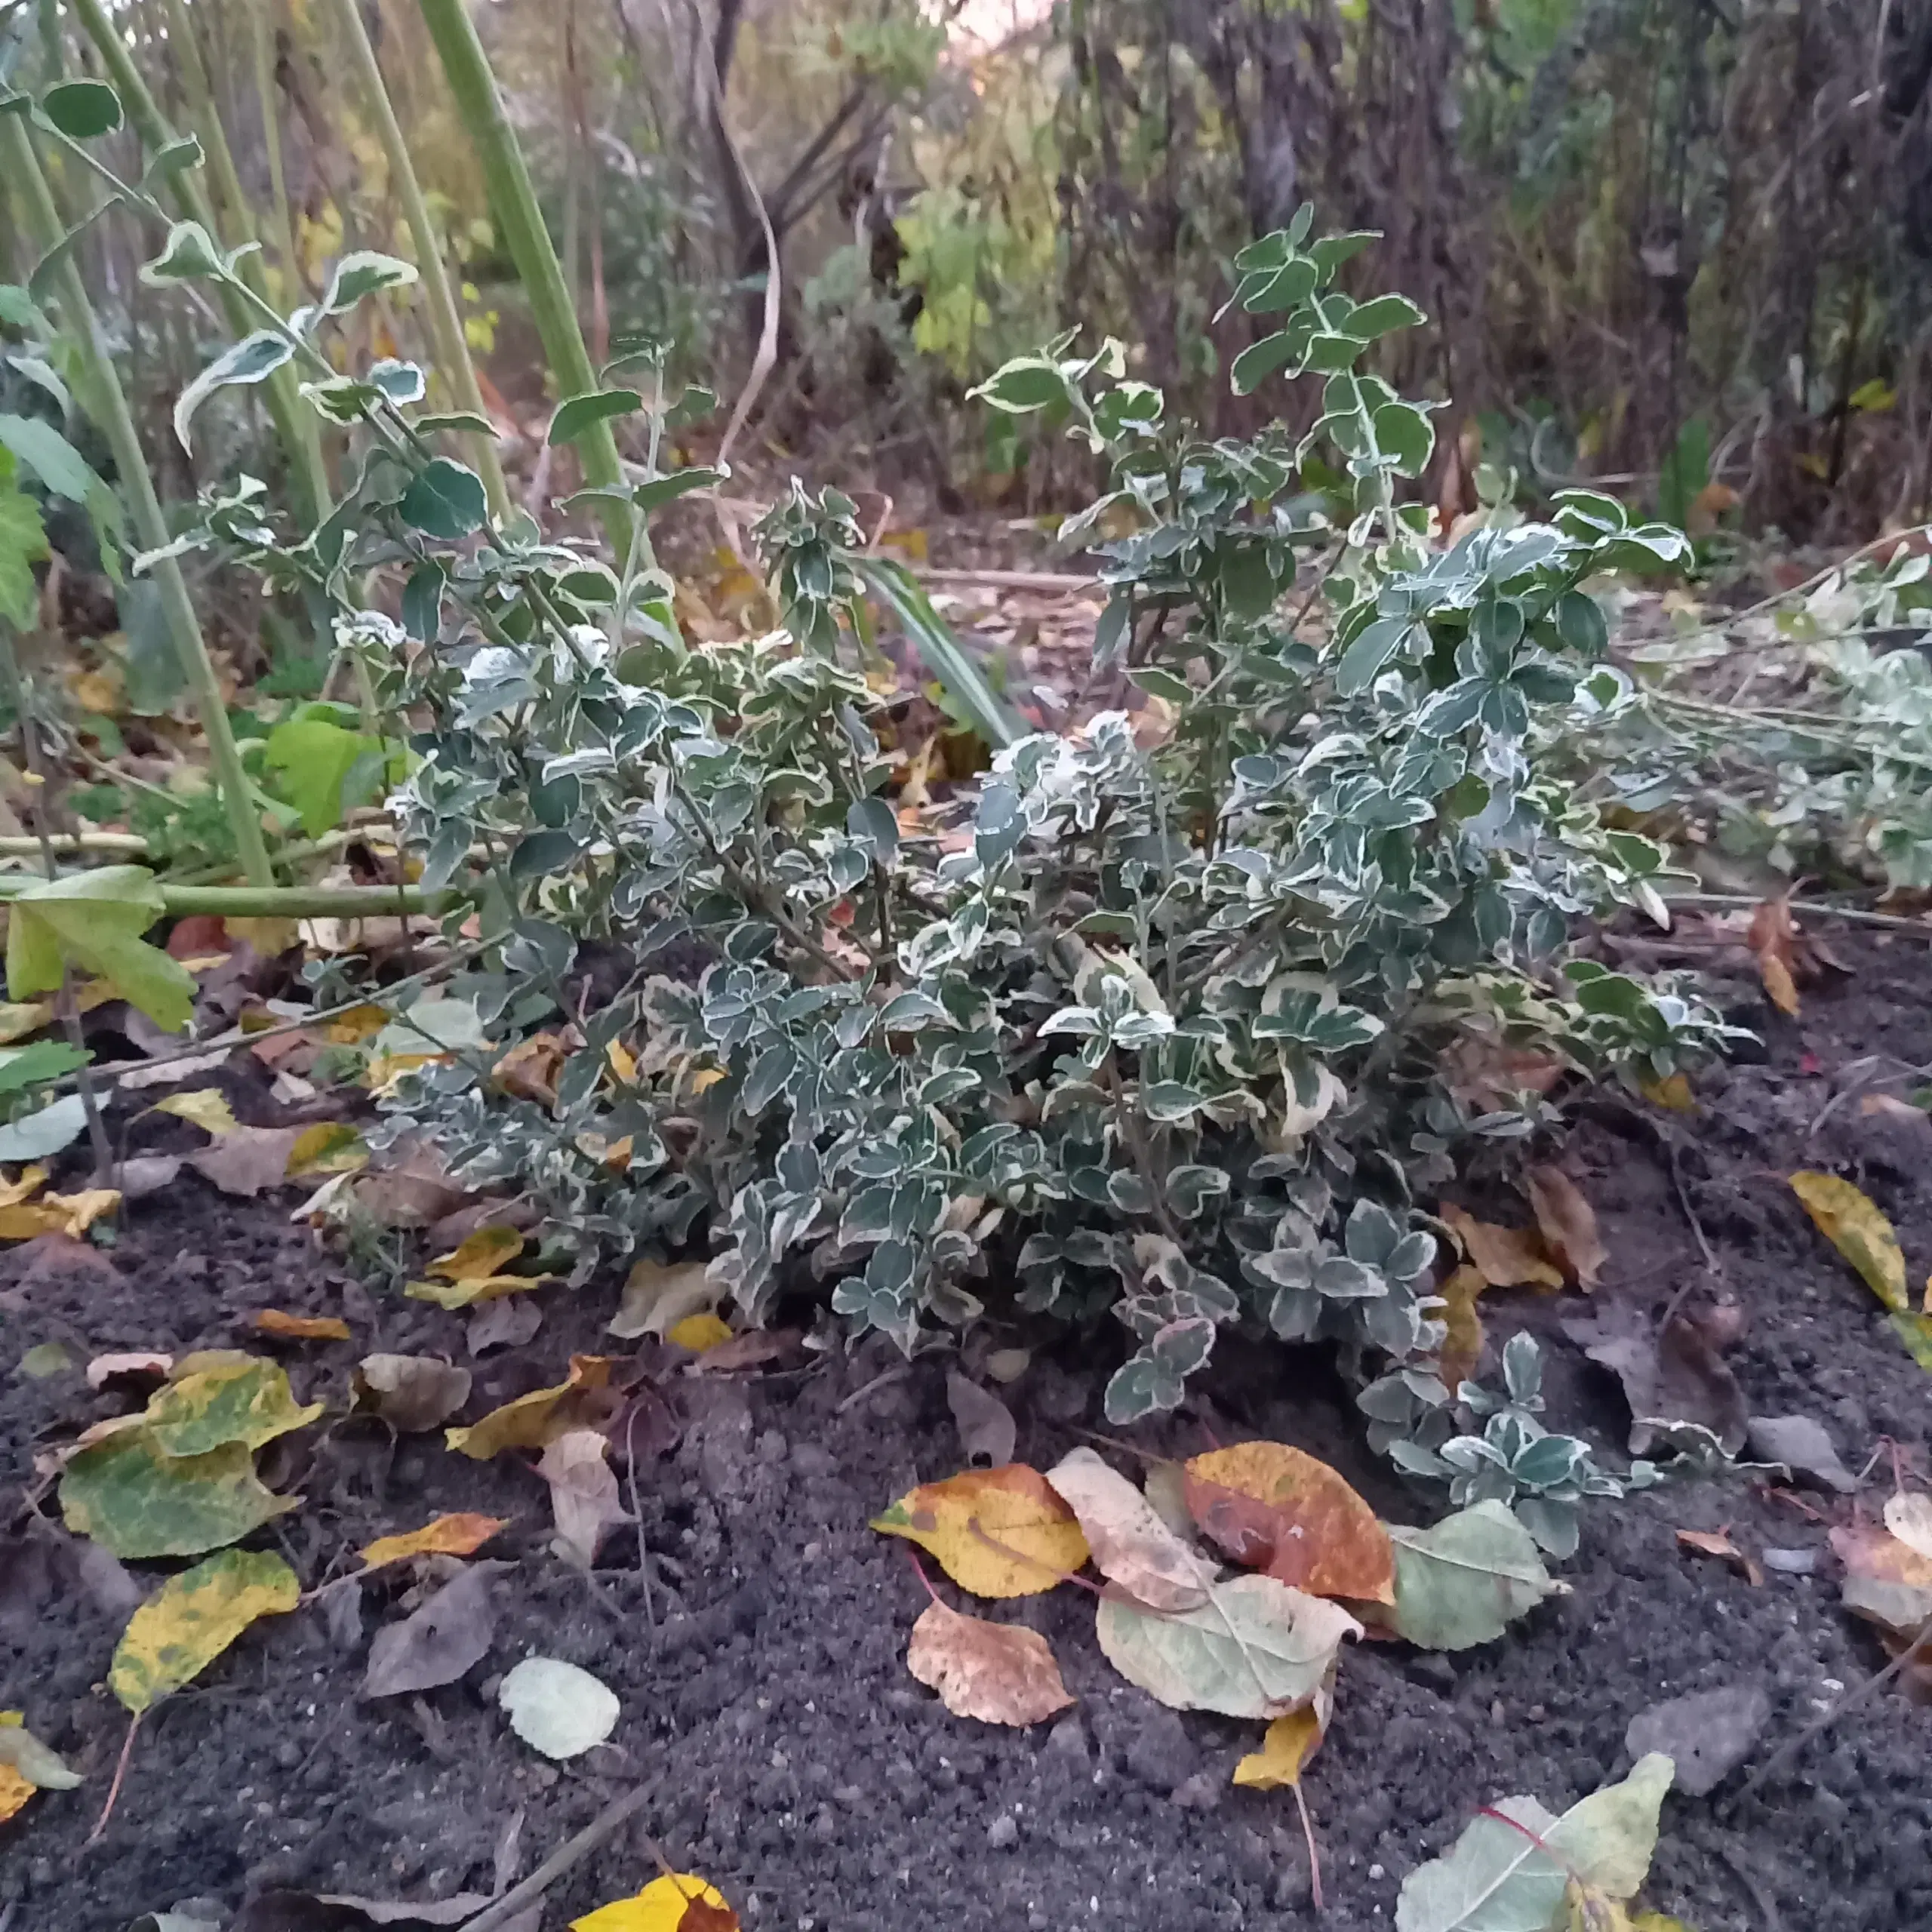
{"x":765,"y":1698}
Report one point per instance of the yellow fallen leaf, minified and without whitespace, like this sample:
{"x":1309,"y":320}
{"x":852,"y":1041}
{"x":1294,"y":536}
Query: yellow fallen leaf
{"x":31,"y":1181}
{"x":18,"y":1018}
{"x":662,"y":1906}
{"x":329,"y":1147}
{"x":1462,"y":1345}
{"x":14,"y":1791}
{"x":207,"y":1108}
{"x":192,"y":1618}
{"x":704,"y":1077}
{"x":1674,"y":1093}
{"x":1568,"y":1225}
{"x":71,"y":1214}
{"x":1291,"y":1742}
{"x":358,"y":1024}
{"x":998,"y":1533}
{"x":698,"y":1333}
{"x":536,"y":1420}
{"x":480,"y":1256}
{"x":1848,"y":1220}
{"x":459,"y":1535}
{"x":302,"y":1328}
{"x":1509,"y":1257}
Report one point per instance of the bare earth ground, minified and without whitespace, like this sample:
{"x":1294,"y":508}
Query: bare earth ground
{"x":792,"y":1759}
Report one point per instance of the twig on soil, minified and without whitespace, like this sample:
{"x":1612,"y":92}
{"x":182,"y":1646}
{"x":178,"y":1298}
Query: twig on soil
{"x":1856,"y":915}
{"x":885,"y":1377}
{"x":637,"y":1515}
{"x":1767,"y":1910}
{"x":120,"y":1773}
{"x":567,"y":1856}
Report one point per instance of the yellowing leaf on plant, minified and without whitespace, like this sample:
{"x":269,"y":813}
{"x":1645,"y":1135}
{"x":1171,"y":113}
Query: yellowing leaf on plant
{"x":192,"y":1618}
{"x":459,"y":1535}
{"x":999,"y":1673}
{"x":207,"y":1108}
{"x":1279,"y":1510}
{"x":329,"y":1147}
{"x":302,"y":1328}
{"x":699,"y":1332}
{"x":1849,"y":1220}
{"x":1509,"y":1257}
{"x":998,"y":1533}
{"x":95,"y":919}
{"x":536,"y":1420}
{"x":1291,"y":1742}
{"x":665,"y":1905}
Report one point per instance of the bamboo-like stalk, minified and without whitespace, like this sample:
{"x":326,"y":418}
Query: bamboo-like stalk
{"x":281,"y":226}
{"x":295,"y":425}
{"x":521,"y":223}
{"x":22,"y":169}
{"x":452,"y":347}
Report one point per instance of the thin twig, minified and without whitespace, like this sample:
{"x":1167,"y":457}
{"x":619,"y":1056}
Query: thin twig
{"x":637,"y":1514}
{"x":1741,"y":1867}
{"x":571,"y":1854}
{"x":1891,"y":922}
{"x":898,"y":1373}
{"x":120,"y":1773}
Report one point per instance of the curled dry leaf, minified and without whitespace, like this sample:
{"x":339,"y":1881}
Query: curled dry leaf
{"x":1886,"y":1582}
{"x":1852,"y":1223}
{"x":1568,"y":1225}
{"x":459,"y":1535}
{"x":137,"y":1366}
{"x":986,"y":1425}
{"x":1773,"y":939}
{"x":247,"y":1161}
{"x":1718,"y":1543}
{"x":192,"y":1618}
{"x":583,"y":1492}
{"x":1291,"y":1742}
{"x":998,"y":1533}
{"x":1277,"y":1509}
{"x":657,"y":1296}
{"x":997,"y":1672}
{"x":671,"y":1903}
{"x":301,"y":1328}
{"x":1908,"y":1517}
{"x":1673,"y":1374}
{"x":507,"y":1322}
{"x":449,"y":1634}
{"x":1507,"y":1257}
{"x":1130,"y":1545}
{"x":536,"y":1420}
{"x":1801,"y":1444}
{"x":409,"y":1393}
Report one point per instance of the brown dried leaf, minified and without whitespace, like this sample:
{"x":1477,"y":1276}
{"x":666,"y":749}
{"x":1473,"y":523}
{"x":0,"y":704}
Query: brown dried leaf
{"x":1278,"y":1510}
{"x":409,"y":1393}
{"x":583,"y":1492}
{"x":451,"y":1634}
{"x":302,"y":1328}
{"x":1772,"y":938}
{"x":1131,"y":1546}
{"x":248,"y":1160}
{"x":986,"y":1425}
{"x":1718,"y":1543}
{"x":997,"y":1672}
{"x":1509,"y":1257}
{"x":1568,"y":1225}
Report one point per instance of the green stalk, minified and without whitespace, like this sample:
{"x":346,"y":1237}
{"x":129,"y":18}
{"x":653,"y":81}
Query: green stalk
{"x":281,"y":227}
{"x":445,"y":321}
{"x":294,"y":422}
{"x":22,"y":169}
{"x":521,"y":223}
{"x":302,"y":902}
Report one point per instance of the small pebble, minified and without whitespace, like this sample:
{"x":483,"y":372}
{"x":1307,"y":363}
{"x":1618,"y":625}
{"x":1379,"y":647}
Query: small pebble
{"x":1003,"y":1833}
{"x":1791,"y":1562}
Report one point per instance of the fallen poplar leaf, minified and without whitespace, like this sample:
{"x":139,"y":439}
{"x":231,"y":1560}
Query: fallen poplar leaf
{"x":1507,"y":1257}
{"x":656,"y":1296}
{"x":1886,"y":1582}
{"x":448,"y":1634}
{"x":1467,"y":1579}
{"x":1706,"y":1736}
{"x":698,"y":1333}
{"x":1463,"y":1344}
{"x":1772,"y":938}
{"x":302,"y":1328}
{"x":1854,"y":1226}
{"x":997,"y":1672}
{"x":667,"y":1904}
{"x":1277,"y":1509}
{"x":136,"y":1502}
{"x":245,"y":1399}
{"x":192,"y":1618}
{"x":583,"y":1492}
{"x":1257,"y":1648}
{"x":207,"y":1108}
{"x":1674,"y":1374}
{"x":998,"y":1533}
{"x":985,"y":1423}
{"x":1129,"y":1544}
{"x":70,"y":1214}
{"x":507,"y":1322}
{"x":1908,"y":1517}
{"x":1291,"y":1742}
{"x":1497,"y":1877}
{"x":1717,"y":1543}
{"x":457,"y":1295}
{"x":536,"y":1420}
{"x":479,"y":1257}
{"x":1567,"y":1223}
{"x":1800,"y":1444}
{"x":248,"y":1160}
{"x":556,"y":1709}
{"x":1672,"y":1092}
{"x":44,"y":1359}
{"x":148,"y":1173}
{"x":40,"y":1764}
{"x":329,"y":1147}
{"x":414,"y":1194}
{"x":409,"y":1393}
{"x":459,"y":1535}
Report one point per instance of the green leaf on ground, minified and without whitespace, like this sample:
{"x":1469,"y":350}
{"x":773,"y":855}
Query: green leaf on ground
{"x":137,"y":1502}
{"x":248,"y":1401}
{"x":1466,"y":1580}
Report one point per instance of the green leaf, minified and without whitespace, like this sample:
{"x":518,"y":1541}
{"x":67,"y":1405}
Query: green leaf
{"x":1404,"y":432}
{"x":662,"y":490}
{"x":22,"y":544}
{"x":460,"y":419}
{"x":81,"y":110}
{"x":963,"y":682}
{"x":397,"y":381}
{"x":872,"y":822}
{"x":1581,"y":625}
{"x":1027,"y":383}
{"x":189,"y":254}
{"x":1466,"y":1580}
{"x":361,"y":272}
{"x":49,"y":455}
{"x":180,"y":155}
{"x":23,"y":1067}
{"x":95,"y":920}
{"x":1260,"y":360}
{"x":253,"y":359}
{"x":1369,"y":320}
{"x":35,"y":1136}
{"x":315,"y":761}
{"x":47,"y":270}
{"x":446,"y":500}
{"x":576,"y":414}
{"x":247,"y":1401}
{"x":138,"y":1503}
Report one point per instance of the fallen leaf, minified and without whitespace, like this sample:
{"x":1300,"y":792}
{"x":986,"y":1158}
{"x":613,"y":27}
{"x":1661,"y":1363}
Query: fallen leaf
{"x":556,"y":1708}
{"x":409,"y":1393}
{"x":14,"y":1791}
{"x":1257,"y":1648}
{"x":148,"y":1173}
{"x":70,"y":1214}
{"x":40,"y":1764}
{"x":1276,"y":1509}
{"x":192,"y":1618}
{"x":1908,"y":1517}
{"x":1705,"y":1735}
{"x":536,"y":1420}
{"x":329,"y":1147}
{"x":698,"y":1333}
{"x":997,"y":1672}
{"x":1854,"y":1226}
{"x":302,"y":1328}
{"x":1886,"y":1582}
{"x":508,"y":1322}
{"x":1717,"y":1543}
{"x":481,"y":1255}
{"x":748,"y":1350}
{"x":1488,"y":1076}
{"x":133,"y":1500}
{"x":331,"y":1911}
{"x":456,"y":1296}
{"x":1463,"y":1344}
{"x":1129,"y":1544}
{"x":45,"y":1359}
{"x":986,"y":1425}
{"x":207,"y":1108}
{"x":1290,"y":1742}
{"x":583,"y":1491}
{"x":1916,"y":1330}
{"x":242,"y":1398}
{"x":998,"y":1533}
{"x":1674,"y":1374}
{"x":1467,"y":1579}
{"x":657,"y":1296}
{"x":528,"y":1071}
{"x":248,"y":1160}
{"x":459,"y":1535}
{"x":1771,"y":938}
{"x":414,"y":1194}
{"x":449,"y":1634}
{"x":30,"y":1182}
{"x":1802,"y":1446}
{"x":667,"y":1904}
{"x":1507,"y":1257}
{"x":1498,"y":1878}
{"x":1568,"y":1225}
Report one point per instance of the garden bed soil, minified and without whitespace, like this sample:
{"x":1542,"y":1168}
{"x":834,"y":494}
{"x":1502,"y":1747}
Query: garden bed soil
{"x":765,"y":1699}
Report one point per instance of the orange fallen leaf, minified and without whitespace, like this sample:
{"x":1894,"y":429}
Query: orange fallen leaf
{"x":302,"y":1328}
{"x":1509,"y":1257}
{"x":528,"y":1071}
{"x":1717,"y":1543}
{"x":1279,"y":1510}
{"x":1772,"y":937}
{"x":459,"y":1535}
{"x":999,"y":1673}
{"x":14,"y":1791}
{"x":1568,"y":1225}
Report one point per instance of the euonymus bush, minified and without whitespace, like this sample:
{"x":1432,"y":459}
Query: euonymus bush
{"x":1160,"y":1032}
